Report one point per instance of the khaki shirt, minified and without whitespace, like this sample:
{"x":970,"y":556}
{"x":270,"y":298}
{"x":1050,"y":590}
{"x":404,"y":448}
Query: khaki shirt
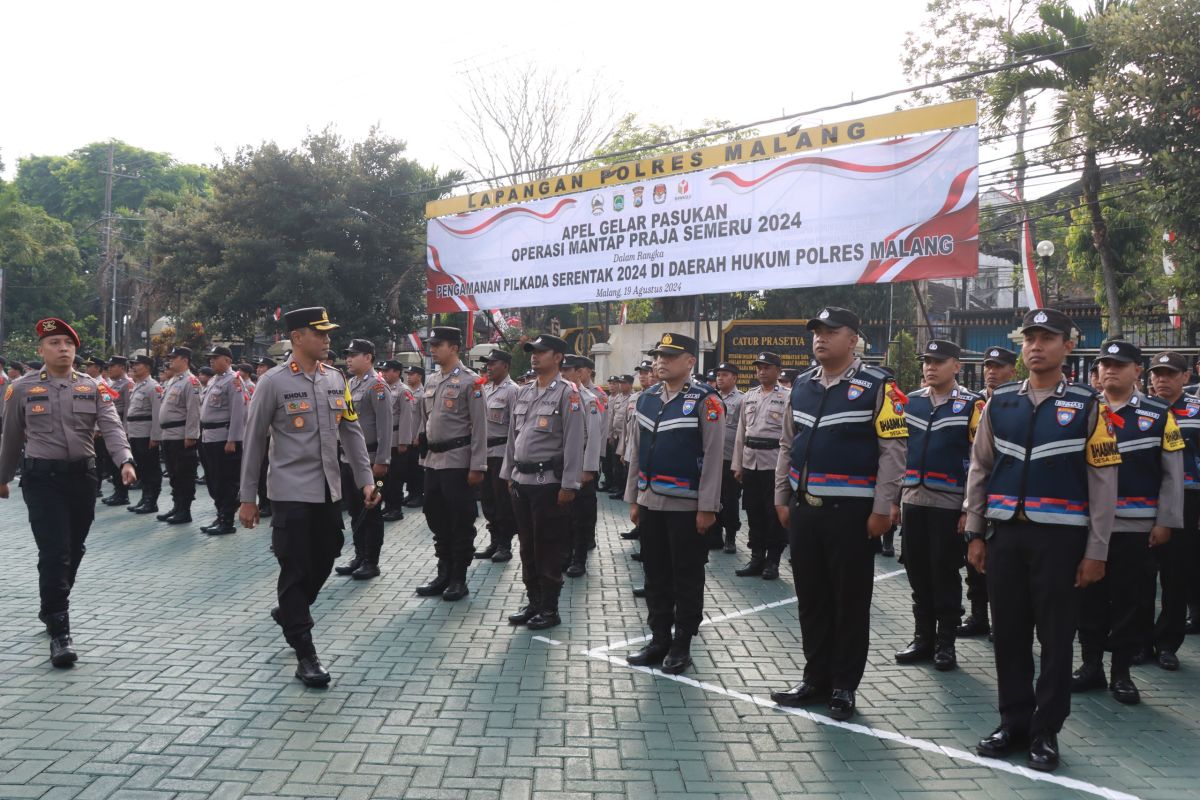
{"x":120,"y":388}
{"x":453,"y":408}
{"x":373,"y":403}
{"x":617,"y":405}
{"x":181,"y":403}
{"x":1170,"y":492}
{"x":761,"y":417}
{"x":893,"y":453}
{"x":305,"y":416}
{"x":1102,"y":481}
{"x":499,"y":399}
{"x":546,"y":424}
{"x":55,"y":418}
{"x":593,"y":427}
{"x":404,"y":416}
{"x":923,"y":495}
{"x":141,"y":418}
{"x":628,"y":424}
{"x":733,"y":416}
{"x":712,"y":442}
{"x":223,"y":400}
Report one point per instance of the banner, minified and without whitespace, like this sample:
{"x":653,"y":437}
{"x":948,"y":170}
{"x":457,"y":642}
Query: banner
{"x":743,"y":339}
{"x":902,"y":210}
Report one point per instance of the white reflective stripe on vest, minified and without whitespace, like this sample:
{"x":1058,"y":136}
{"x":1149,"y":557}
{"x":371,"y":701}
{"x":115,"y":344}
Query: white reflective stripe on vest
{"x":916,"y":421}
{"x":800,"y":418}
{"x":950,"y":422}
{"x":845,"y":418}
{"x":1057,"y":448}
{"x":1008,"y":448}
{"x":680,"y":422}
{"x":1144,"y":443}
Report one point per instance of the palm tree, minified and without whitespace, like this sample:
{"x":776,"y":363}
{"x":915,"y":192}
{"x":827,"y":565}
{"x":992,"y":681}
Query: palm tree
{"x":1072,"y":77}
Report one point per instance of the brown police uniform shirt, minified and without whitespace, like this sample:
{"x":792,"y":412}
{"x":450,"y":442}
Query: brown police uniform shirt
{"x":499,"y":399}
{"x":453,"y":408}
{"x":141,"y":419}
{"x":546,"y":425}
{"x":181,"y":403}
{"x":761,"y":419}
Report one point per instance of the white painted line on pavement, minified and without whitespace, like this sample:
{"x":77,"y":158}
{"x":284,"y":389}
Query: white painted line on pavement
{"x":554,"y":642}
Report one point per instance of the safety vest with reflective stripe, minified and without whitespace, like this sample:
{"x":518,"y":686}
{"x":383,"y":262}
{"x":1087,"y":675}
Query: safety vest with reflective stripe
{"x":939,"y":440}
{"x":1187,"y":415}
{"x":1140,"y":440}
{"x":670,"y":446}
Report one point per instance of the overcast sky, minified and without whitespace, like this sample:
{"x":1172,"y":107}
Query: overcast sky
{"x":192,"y":79}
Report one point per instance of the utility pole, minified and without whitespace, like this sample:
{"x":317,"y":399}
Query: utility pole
{"x":109,"y":263}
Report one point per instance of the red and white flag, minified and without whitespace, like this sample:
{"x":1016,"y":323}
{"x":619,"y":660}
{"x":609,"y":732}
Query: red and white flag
{"x":1169,"y":269}
{"x":623,"y":317}
{"x":414,"y":341}
{"x":278,"y":314}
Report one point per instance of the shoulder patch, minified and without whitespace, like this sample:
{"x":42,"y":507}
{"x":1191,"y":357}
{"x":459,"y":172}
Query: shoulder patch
{"x":194,"y":380}
{"x":890,"y":422}
{"x":480,"y":381}
{"x":1102,"y":450}
{"x":713,"y":407}
{"x":8,"y":392}
{"x":1172,"y":436}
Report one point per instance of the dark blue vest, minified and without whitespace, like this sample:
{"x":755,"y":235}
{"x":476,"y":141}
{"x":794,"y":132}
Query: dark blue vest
{"x":1040,"y":465}
{"x":1187,"y":415}
{"x":1139,"y":477}
{"x":835,"y":439}
{"x":670,"y":447}
{"x":939,"y":441}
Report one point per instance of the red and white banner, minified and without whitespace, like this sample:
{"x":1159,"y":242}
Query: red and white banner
{"x":907,"y":209}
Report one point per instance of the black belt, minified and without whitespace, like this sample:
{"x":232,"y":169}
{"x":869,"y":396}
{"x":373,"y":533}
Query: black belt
{"x":139,"y":419}
{"x":496,"y":441}
{"x":534,"y":467}
{"x":178,"y":424}
{"x":373,"y":448}
{"x":210,"y":426}
{"x":449,"y":444}
{"x":761,"y":443}
{"x":395,"y":428}
{"x":49,"y":466}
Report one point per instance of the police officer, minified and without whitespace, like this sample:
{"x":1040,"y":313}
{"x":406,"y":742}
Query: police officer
{"x":841,"y":460}
{"x":1115,"y":612}
{"x":729,"y":520}
{"x":52,"y":414}
{"x":456,"y":432}
{"x":179,"y":419}
{"x":222,"y":425}
{"x":1175,"y":560}
{"x":373,"y":403}
{"x":941,"y":418}
{"x":414,"y":473}
{"x":999,"y":368}
{"x":578,"y":370}
{"x":1041,"y":471}
{"x":141,"y":427}
{"x":95,"y":367}
{"x":498,"y":394}
{"x":674,"y":493}
{"x":262,"y":367}
{"x":787,"y":377}
{"x":620,"y":404}
{"x":306,"y":409}
{"x":119,"y":386}
{"x":404,"y":431}
{"x":755,"y":455}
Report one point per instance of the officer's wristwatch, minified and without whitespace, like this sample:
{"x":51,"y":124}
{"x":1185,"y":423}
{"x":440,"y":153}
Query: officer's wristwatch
{"x":129,"y":461}
{"x":970,"y":536}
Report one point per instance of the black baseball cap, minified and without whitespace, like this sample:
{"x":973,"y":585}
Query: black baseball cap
{"x":220,"y":351}
{"x":206,"y":371}
{"x":1048,"y":319}
{"x":711,"y":375}
{"x":1120,"y":350}
{"x":546,"y":342}
{"x":1169,"y":359}
{"x":414,"y":369}
{"x":577,"y":362}
{"x":645,"y":366}
{"x":118,"y":361}
{"x":315,"y":317}
{"x":625,"y":378}
{"x":265,"y":361}
{"x":675,"y":344}
{"x":834,"y":317}
{"x":941,"y":350}
{"x":1000,"y":355}
{"x":790,"y":374}
{"x":97,"y":361}
{"x":392,"y":364}
{"x":496,"y":355}
{"x":143,"y":359}
{"x":768,"y":358}
{"x":445,"y":333}
{"x":725,"y":366}
{"x":177,"y":352}
{"x":361,"y":346}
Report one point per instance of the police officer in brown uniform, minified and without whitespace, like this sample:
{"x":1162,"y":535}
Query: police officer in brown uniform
{"x":119,"y":386}
{"x":543,"y":459}
{"x":222,"y":425}
{"x":577,"y":369}
{"x":52,"y":415}
{"x":729,"y":521}
{"x":456,"y":431}
{"x":414,"y":472}
{"x":179,"y":419}
{"x":373,"y":404}
{"x":755,"y":453}
{"x":303,"y":409}
{"x":404,"y":433}
{"x":499,"y":393}
{"x":141,"y":426}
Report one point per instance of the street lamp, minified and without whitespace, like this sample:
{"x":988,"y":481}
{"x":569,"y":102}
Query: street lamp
{"x":1045,"y":249}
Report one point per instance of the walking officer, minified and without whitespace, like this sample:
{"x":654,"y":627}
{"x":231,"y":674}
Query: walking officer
{"x":118,"y":387}
{"x":52,"y":415}
{"x":141,"y":426}
{"x":544,"y":461}
{"x":841,"y":460}
{"x":373,"y":404}
{"x":941,"y":418}
{"x":729,"y":520}
{"x":404,"y":431}
{"x":1118,"y":611}
{"x":578,"y":370}
{"x":179,"y":419}
{"x":1042,"y":473}
{"x":674,"y":493}
{"x":222,"y":425}
{"x":456,"y":431}
{"x":498,"y":394}
{"x":755,"y":455}
{"x":262,"y":367}
{"x":303,"y":409}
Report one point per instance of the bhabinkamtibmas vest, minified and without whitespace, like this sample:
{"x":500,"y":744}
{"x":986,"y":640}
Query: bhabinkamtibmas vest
{"x":1187,"y":416}
{"x":670,"y":446}
{"x":939,"y":439}
{"x":1149,"y":429}
{"x":1042,"y":454}
{"x":836,"y":446}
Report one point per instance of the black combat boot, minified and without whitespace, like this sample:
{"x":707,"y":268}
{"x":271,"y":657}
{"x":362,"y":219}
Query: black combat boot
{"x":755,"y":567}
{"x":438,"y":584}
{"x":62,"y":649}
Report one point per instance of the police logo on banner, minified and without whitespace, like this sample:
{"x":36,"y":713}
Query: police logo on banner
{"x":1064,"y":416}
{"x":854,"y":392}
{"x":958,"y":406}
{"x":688,"y":405}
{"x":1144,"y":423}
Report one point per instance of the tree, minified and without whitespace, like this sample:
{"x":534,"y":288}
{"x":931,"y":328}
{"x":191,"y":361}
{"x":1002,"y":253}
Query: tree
{"x":1132,"y":236}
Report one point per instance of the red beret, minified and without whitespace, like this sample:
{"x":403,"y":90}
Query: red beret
{"x":53,"y":326}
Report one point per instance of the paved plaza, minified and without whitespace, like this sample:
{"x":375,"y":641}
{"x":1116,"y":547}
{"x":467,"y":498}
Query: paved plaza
{"x":184,"y":689}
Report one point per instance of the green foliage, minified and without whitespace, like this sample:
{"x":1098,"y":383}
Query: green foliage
{"x":904,"y":362}
{"x":1132,"y":235}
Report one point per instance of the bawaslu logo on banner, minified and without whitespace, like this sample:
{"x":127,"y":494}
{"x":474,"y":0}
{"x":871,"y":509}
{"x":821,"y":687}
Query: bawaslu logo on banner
{"x":765,"y":213}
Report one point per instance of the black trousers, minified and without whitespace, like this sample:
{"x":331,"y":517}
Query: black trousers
{"x":1031,"y":583}
{"x":620,"y":474}
{"x":146,"y":463}
{"x":977,"y":593}
{"x":544,"y":532}
{"x":393,"y":482}
{"x":729,"y":518}
{"x":181,"y":467}
{"x":758,"y":498}
{"x":306,"y":539}
{"x":833,"y":568}
{"x":366,"y":526}
{"x":583,"y":522}
{"x":104,"y":465}
{"x":414,"y":473}
{"x":61,"y":508}
{"x":932,"y":556}
{"x":497,"y":505}
{"x":607,"y":462}
{"x":450,"y":512}
{"x":1114,"y":611}
{"x":222,"y":475}
{"x":1174,"y":563}
{"x":673,"y":557}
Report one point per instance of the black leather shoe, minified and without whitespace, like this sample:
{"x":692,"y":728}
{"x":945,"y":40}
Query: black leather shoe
{"x":944,"y":657}
{"x":650,"y":655}
{"x":730,"y":543}
{"x":350,"y":566}
{"x":146,"y":508}
{"x":974,"y":625}
{"x":486,"y":552}
{"x":1001,"y":742}
{"x":576,"y":570}
{"x":1141,"y":657}
{"x":180,"y":517}
{"x":216,"y":523}
{"x":167,"y":515}
{"x":455,"y":590}
{"x":415,"y":501}
{"x":543,"y":620}
{"x":841,"y":704}
{"x":502,"y":554}
{"x":224,"y":527}
{"x":435,"y":585}
{"x":1043,"y":752}
{"x":679,"y":657}
{"x":636,"y":556}
{"x":770,"y":571}
{"x":264,"y":511}
{"x":754,"y":567}
{"x":62,"y":651}
{"x":633,"y":534}
{"x":1124,"y":691}
{"x":275,"y":616}
{"x":1192,"y":625}
{"x":639,"y":591}
{"x":311,"y":672}
{"x":801,"y":694}
{"x":365,"y":571}
{"x":1168,"y":660}
{"x":1089,"y":676}
{"x":393,"y":515}
{"x":116,"y":500}
{"x":523,"y":616}
{"x":919,"y":649}
{"x":132,"y":509}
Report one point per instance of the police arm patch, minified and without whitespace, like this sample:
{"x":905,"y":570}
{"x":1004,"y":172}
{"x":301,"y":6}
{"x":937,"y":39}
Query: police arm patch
{"x":890,"y":422}
{"x":976,"y":415}
{"x":1102,"y":444}
{"x":713,"y":407}
{"x":1172,"y":436}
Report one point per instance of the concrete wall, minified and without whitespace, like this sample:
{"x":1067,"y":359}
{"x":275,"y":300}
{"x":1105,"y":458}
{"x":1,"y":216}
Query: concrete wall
{"x":629,"y":344}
